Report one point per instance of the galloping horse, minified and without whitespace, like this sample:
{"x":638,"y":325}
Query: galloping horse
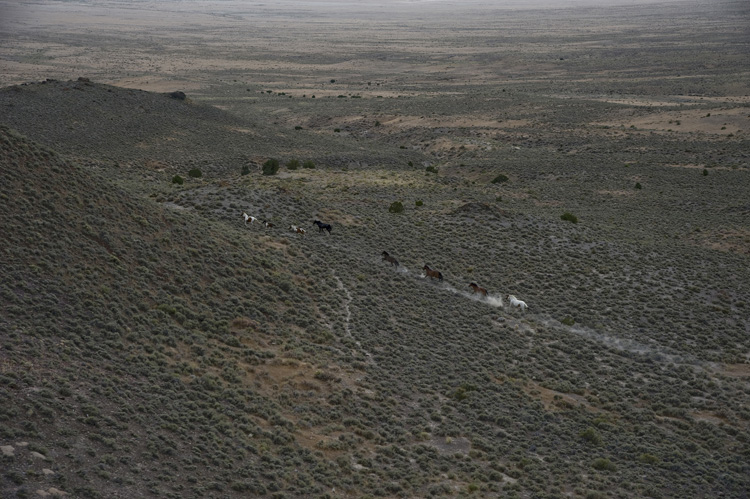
{"x":389,"y":258}
{"x":515,"y":302}
{"x":322,"y":226}
{"x":433,"y":274}
{"x":267,"y":224}
{"x":248,"y":218}
{"x":298,"y":230}
{"x":478,"y":289}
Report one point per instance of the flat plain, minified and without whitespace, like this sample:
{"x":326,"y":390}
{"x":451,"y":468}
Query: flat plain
{"x":591,"y":160}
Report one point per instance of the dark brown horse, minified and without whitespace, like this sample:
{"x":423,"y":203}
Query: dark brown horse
{"x":389,"y":258}
{"x":433,"y":274}
{"x":478,"y":289}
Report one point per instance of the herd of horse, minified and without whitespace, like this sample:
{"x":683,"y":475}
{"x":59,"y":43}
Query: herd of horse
{"x":476,"y":288}
{"x":429,"y":272}
{"x":322,"y":227}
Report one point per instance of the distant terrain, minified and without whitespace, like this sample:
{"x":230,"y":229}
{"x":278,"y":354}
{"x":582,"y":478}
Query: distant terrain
{"x":592,"y":161}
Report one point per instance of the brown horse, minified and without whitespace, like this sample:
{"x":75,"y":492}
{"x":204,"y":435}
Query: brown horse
{"x":433,"y":274}
{"x":478,"y":289}
{"x":389,"y":258}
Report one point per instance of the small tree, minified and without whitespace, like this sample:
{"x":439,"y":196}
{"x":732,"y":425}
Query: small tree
{"x":500,"y":179}
{"x":195,"y":173}
{"x":177,"y":180}
{"x":396,"y":207}
{"x":638,"y":185}
{"x":308,"y":164}
{"x":245,"y":169}
{"x":271,"y":166}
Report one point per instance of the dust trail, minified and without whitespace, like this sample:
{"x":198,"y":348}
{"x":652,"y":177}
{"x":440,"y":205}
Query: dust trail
{"x":490,"y":299}
{"x":348,"y":316}
{"x":622,"y":344}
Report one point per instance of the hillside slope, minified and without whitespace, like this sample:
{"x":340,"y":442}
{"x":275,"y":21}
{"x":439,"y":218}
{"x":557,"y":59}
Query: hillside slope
{"x":157,"y":345}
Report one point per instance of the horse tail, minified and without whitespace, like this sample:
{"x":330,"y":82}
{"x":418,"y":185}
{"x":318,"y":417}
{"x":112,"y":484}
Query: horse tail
{"x":440,"y":276}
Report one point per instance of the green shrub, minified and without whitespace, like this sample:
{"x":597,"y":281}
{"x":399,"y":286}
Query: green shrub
{"x":396,"y":207}
{"x":500,"y":179}
{"x":568,"y":321}
{"x":638,"y":185}
{"x":705,"y":172}
{"x":569,"y":217}
{"x":195,"y":173}
{"x":603,"y":464}
{"x":298,"y":127}
{"x":419,"y":202}
{"x":591,"y":435}
{"x":271,"y":166}
{"x":308,"y":164}
{"x":292,"y":164}
{"x":178,"y":180}
{"x":245,"y":169}
{"x":648,"y":459}
{"x":431,"y":169}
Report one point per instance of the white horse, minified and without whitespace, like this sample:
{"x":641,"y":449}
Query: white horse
{"x":515,"y":302}
{"x":249,"y":218}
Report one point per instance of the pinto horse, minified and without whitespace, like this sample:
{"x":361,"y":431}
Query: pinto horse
{"x":433,"y":274}
{"x":322,"y":226}
{"x":477,"y":289}
{"x":515,"y":302}
{"x":267,"y":224}
{"x":248,"y":218}
{"x":298,"y":230}
{"x":389,"y":258}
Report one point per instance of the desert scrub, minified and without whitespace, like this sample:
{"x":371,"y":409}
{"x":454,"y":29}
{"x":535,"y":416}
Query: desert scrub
{"x":195,"y":173}
{"x":309,"y":164}
{"x":396,"y":207}
{"x":569,"y":217}
{"x":271,"y":167}
{"x":603,"y":464}
{"x":591,"y":435}
{"x":178,"y":180}
{"x":292,"y":164}
{"x":500,"y":179}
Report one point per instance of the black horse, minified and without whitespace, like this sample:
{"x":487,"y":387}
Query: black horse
{"x":389,"y":258}
{"x":322,"y":226}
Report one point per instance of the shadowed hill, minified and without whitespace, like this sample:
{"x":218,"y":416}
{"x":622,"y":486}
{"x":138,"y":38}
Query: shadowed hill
{"x":102,"y":122}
